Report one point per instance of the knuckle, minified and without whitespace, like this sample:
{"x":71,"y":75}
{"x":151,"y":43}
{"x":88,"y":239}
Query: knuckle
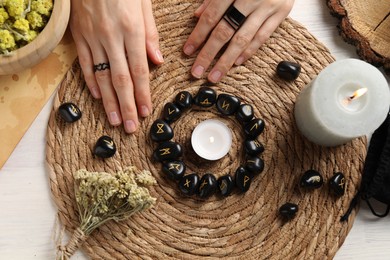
{"x":241,"y":40}
{"x":205,"y":55}
{"x":120,"y":81}
{"x":139,"y":70}
{"x":210,"y":17}
{"x":223,"y":33}
{"x":102,"y":75}
{"x":128,"y":109}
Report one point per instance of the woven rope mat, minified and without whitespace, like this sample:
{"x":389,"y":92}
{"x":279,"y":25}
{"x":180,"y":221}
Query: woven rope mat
{"x":242,"y":225}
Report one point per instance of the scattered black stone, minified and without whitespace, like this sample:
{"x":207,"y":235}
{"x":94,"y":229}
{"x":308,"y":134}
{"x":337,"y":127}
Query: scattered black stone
{"x":254,"y":128}
{"x":288,"y":70}
{"x":205,"y":97}
{"x":171,"y":112}
{"x":243,"y":179}
{"x":253,"y":147}
{"x":160,"y":131}
{"x":104,"y":147}
{"x":207,"y":185}
{"x":337,"y":183}
{"x":288,"y":210}
{"x":189,"y":184}
{"x":174,"y":169}
{"x":167,"y":151}
{"x":227,"y":104}
{"x":225,"y":185}
{"x":183,"y":100}
{"x":254,"y":164}
{"x":69,"y":112}
{"x":244,"y":113}
{"x":311,"y":179}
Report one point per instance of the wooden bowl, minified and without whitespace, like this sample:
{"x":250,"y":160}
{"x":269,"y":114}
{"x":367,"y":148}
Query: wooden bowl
{"x":42,"y":46}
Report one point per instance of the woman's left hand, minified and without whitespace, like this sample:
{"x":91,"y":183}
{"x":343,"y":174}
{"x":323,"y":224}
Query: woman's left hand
{"x":215,"y":30}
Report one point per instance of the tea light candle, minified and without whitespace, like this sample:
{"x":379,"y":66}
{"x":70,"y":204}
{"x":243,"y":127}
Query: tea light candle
{"x":348,"y":99}
{"x":211,"y":139}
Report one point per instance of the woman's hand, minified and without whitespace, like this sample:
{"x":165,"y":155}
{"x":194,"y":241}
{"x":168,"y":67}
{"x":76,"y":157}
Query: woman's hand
{"x":215,"y":30}
{"x":113,"y":40}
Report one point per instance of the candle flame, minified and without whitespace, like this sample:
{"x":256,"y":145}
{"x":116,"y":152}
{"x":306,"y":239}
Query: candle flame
{"x":358,"y":93}
{"x":211,"y":139}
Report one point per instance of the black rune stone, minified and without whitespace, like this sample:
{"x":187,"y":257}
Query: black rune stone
{"x":288,"y":210}
{"x":288,"y":70}
{"x":207,"y":185}
{"x":183,"y":100}
{"x":167,"y":151}
{"x":312,"y":179}
{"x":171,"y":112}
{"x":174,"y":169}
{"x":225,"y":185}
{"x":337,"y":183}
{"x":243,"y":179}
{"x":189,"y":184}
{"x":244,"y":113}
{"x":254,"y":128}
{"x":205,"y":97}
{"x":254,"y":164}
{"x":160,"y":131}
{"x":104,"y":147}
{"x":227,"y":104}
{"x":69,"y":112}
{"x":253,"y":147}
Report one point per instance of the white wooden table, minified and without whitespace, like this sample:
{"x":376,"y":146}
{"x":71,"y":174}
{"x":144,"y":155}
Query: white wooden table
{"x":28,"y":214}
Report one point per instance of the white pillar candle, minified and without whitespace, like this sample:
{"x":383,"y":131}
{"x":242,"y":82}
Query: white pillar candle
{"x":328,"y":113}
{"x":211,"y":139}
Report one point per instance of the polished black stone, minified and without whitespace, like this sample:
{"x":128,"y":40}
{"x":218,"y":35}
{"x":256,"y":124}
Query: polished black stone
{"x":337,"y":183}
{"x":183,"y":100}
{"x":205,"y":97}
{"x":312,"y":179}
{"x":227,"y":104}
{"x":243,"y":179}
{"x":171,"y":112}
{"x":288,"y":210}
{"x":167,"y":151}
{"x":207,"y":185}
{"x":254,"y":128}
{"x":254,"y":164}
{"x":244,"y":113}
{"x":160,"y":131}
{"x":225,"y":185}
{"x":253,"y":147}
{"x":104,"y":147}
{"x":69,"y":112}
{"x":288,"y":70}
{"x":174,"y":169}
{"x":189,"y":184}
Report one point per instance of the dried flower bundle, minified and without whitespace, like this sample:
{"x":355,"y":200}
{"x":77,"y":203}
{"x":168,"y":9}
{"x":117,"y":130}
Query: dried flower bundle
{"x":101,"y":197}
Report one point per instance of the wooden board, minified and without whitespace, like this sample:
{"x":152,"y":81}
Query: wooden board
{"x":365,"y":24}
{"x":23,"y":95}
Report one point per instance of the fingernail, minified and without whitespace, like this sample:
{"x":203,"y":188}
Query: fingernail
{"x":95,"y":92}
{"x":239,"y":60}
{"x":145,"y":111}
{"x":189,"y":49}
{"x":198,"y":71}
{"x":159,"y":56}
{"x":114,"y":118}
{"x":215,"y":76}
{"x":130,"y":126}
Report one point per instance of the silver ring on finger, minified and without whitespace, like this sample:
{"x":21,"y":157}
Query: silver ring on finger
{"x":101,"y":66}
{"x":234,"y":17}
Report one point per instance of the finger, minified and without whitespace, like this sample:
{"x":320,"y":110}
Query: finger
{"x":207,"y":21}
{"x":139,"y":70}
{"x":198,"y":12}
{"x":86,"y":63}
{"x":152,"y":38}
{"x":262,"y":35}
{"x":103,"y":78}
{"x":222,"y":33}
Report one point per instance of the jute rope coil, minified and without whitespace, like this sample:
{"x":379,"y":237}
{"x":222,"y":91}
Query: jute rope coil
{"x":242,"y":225}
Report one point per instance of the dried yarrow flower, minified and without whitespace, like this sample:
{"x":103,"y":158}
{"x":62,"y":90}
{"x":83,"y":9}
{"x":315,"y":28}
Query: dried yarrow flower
{"x":101,"y":197}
